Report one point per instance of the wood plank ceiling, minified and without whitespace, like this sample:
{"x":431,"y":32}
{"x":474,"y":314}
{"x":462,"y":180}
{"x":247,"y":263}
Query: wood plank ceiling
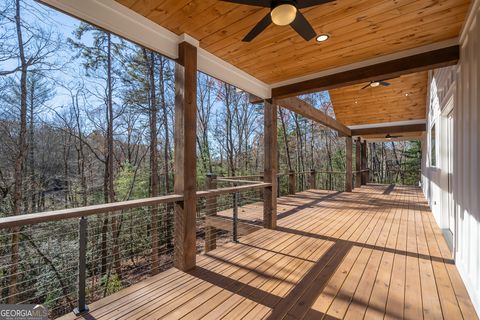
{"x":359,"y":29}
{"x":404,"y":99}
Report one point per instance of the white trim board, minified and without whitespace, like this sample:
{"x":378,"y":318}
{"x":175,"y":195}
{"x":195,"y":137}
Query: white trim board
{"x":120,"y":20}
{"x":391,"y":139}
{"x":369,"y":62}
{"x":388,"y":124}
{"x":474,"y":6}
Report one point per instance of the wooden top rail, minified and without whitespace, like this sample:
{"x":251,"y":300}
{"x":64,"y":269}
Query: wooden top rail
{"x":56,"y":215}
{"x":334,"y":172}
{"x":242,"y":177}
{"x":220,"y":191}
{"x":34,"y":218}
{"x":236,"y":181}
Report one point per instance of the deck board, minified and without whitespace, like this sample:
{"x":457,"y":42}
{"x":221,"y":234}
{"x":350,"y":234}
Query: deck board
{"x":354,"y":255}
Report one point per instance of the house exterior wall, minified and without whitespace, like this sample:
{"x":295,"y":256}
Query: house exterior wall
{"x":457,"y":89}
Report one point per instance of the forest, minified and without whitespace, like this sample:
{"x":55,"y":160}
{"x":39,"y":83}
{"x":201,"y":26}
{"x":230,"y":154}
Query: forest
{"x":86,"y":117}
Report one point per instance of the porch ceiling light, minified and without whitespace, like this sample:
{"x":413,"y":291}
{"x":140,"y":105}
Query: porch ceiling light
{"x":323,"y":37}
{"x":374,"y":84}
{"x":283,"y":14}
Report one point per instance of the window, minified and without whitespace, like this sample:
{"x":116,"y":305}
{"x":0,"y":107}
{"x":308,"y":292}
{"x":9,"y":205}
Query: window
{"x":433,"y":154}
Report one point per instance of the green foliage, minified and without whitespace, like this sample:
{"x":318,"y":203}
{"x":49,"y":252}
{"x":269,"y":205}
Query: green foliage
{"x":111,"y":284}
{"x":132,"y":183}
{"x":412,"y":164}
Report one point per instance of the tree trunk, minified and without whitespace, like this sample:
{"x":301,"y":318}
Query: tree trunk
{"x":168,"y":217}
{"x":110,"y":151}
{"x":285,"y":139}
{"x":153,"y":113}
{"x":20,"y":159}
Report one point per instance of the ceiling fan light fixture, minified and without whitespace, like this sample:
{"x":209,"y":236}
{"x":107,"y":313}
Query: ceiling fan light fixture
{"x":283,"y":14}
{"x":323,"y":37}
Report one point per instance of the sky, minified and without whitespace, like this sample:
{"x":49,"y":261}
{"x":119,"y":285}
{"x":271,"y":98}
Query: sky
{"x":63,"y":25}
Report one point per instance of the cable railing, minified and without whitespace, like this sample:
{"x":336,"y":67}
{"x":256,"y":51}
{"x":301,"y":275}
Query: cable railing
{"x":395,"y":176}
{"x":67,"y":259}
{"x":226,"y":216}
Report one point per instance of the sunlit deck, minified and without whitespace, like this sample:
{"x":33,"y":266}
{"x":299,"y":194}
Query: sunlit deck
{"x":373,"y":253}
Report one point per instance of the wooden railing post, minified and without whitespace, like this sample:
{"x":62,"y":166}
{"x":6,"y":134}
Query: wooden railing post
{"x":364,"y":163}
{"x":185,"y":156}
{"x":358,"y":161}
{"x":313,"y":179}
{"x":270,"y":165}
{"x":82,"y":267}
{"x":348,"y":164}
{"x":292,"y":182}
{"x":211,"y":204}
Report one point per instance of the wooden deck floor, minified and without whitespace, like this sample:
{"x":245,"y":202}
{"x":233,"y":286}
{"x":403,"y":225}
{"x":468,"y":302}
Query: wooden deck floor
{"x":355,"y":255}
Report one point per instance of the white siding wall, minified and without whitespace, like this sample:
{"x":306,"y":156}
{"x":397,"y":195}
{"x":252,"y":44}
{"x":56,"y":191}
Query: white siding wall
{"x":462,"y":84}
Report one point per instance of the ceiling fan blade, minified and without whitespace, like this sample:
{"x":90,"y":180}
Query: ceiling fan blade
{"x":310,"y":3}
{"x":262,"y":25}
{"x":257,"y":3}
{"x":303,"y":27}
{"x":368,"y":85}
{"x":384,"y":83}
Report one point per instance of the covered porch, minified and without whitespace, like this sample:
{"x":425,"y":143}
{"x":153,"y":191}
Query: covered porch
{"x":235,"y":247}
{"x":374,"y":253}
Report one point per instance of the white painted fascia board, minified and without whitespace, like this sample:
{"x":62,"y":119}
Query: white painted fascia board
{"x":118,"y":19}
{"x":392,"y":139}
{"x":124,"y":22}
{"x":369,"y":62}
{"x":218,"y":68}
{"x":472,"y":12}
{"x":387,"y":124}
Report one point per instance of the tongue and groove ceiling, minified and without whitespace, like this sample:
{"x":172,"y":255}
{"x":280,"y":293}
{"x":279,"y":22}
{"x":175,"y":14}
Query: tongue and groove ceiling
{"x":403,"y":100}
{"x":359,"y":30}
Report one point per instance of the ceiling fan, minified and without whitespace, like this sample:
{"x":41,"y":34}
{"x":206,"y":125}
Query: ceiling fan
{"x":282,"y":13}
{"x":374,"y":84}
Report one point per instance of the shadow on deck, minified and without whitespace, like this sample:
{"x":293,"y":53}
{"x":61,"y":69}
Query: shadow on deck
{"x":376,"y":252}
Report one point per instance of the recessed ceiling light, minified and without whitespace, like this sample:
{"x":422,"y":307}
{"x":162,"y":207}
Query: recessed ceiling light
{"x":374,"y":84}
{"x":406,"y":94}
{"x":323,"y":37}
{"x":356,"y":102}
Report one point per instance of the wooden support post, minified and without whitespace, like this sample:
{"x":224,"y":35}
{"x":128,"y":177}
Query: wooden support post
{"x":211,"y":204}
{"x":358,"y":163}
{"x":313,"y":179}
{"x":270,"y":165}
{"x":185,"y":156}
{"x":348,"y":164}
{"x":364,"y":163}
{"x":292,"y":182}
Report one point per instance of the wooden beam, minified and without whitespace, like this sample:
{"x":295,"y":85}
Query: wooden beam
{"x":253,"y":99}
{"x":358,"y":166}
{"x":386,"y":70}
{"x":390,"y":130}
{"x":364,"y":163}
{"x":185,"y":156}
{"x":348,"y":164}
{"x":308,"y":111}
{"x":270,"y":165}
{"x":292,"y":182}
